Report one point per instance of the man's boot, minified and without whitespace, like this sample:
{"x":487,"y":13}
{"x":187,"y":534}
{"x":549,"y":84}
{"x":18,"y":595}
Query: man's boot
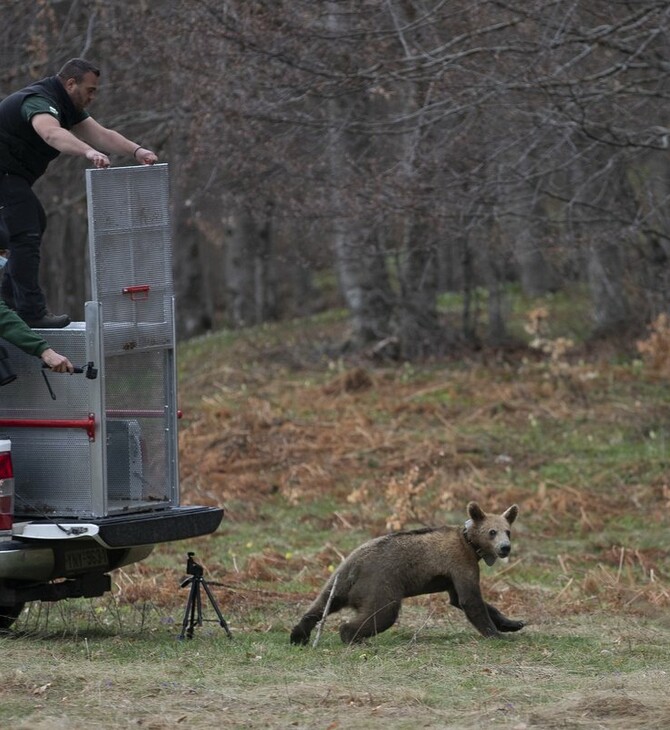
{"x":47,"y":321}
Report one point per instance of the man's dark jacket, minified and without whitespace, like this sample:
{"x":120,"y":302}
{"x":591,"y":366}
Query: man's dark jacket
{"x":22,"y":151}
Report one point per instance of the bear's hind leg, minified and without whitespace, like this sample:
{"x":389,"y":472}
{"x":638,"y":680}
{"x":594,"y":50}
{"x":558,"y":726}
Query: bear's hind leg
{"x":369,"y":621}
{"x":501,"y":622}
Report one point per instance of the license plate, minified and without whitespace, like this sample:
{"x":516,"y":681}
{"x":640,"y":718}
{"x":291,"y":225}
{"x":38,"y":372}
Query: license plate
{"x":85,"y":559}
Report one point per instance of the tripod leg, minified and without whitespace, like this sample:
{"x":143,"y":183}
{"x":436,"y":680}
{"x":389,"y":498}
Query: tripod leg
{"x":215,"y":606}
{"x":195,"y":605}
{"x":188,"y":613}
{"x":198,"y":600}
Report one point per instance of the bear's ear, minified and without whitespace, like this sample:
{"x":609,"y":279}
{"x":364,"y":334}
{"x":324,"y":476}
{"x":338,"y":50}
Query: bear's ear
{"x":511,"y":513}
{"x":475,"y":512}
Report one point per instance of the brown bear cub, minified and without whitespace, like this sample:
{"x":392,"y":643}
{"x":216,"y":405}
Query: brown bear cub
{"x":375,"y":578}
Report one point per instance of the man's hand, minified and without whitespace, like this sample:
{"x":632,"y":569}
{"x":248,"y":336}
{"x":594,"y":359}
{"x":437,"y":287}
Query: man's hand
{"x":146,"y":157}
{"x":58,"y":363}
{"x":97,"y":158}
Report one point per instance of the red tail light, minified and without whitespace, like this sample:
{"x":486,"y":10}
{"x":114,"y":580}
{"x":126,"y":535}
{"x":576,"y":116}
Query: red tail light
{"x":6,"y":486}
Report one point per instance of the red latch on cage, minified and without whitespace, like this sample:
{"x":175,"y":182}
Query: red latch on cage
{"x":137,"y":292}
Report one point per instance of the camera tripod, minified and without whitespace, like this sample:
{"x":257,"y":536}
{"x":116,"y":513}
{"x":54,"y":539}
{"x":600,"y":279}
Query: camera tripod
{"x":193,"y":613}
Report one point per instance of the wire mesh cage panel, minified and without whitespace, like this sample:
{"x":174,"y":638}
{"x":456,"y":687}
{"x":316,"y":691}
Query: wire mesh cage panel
{"x":53,"y":470}
{"x":141,"y":444}
{"x":130,"y":251}
{"x":131,"y":271}
{"x":42,"y":394}
{"x":105,"y":442}
{"x":53,"y":463}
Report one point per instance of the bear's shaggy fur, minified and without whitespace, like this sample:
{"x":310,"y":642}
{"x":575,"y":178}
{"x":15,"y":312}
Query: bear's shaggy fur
{"x":375,"y":578}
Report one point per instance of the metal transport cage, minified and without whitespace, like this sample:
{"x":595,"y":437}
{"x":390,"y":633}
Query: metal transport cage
{"x":104,"y":442}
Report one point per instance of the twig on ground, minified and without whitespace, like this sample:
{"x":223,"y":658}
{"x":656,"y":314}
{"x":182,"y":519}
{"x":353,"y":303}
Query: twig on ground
{"x":321,"y":623}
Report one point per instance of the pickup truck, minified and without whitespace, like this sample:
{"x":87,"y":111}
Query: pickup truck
{"x":89,"y":461}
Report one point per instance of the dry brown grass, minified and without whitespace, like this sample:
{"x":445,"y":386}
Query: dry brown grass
{"x":396,"y":449}
{"x":386,"y":448}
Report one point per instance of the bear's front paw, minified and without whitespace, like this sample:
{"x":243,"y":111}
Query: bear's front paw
{"x":512,"y":625}
{"x":299,"y":636}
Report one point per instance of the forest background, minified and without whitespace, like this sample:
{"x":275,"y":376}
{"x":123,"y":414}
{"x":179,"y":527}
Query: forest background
{"x":422,"y":176}
{"x":376,"y":155}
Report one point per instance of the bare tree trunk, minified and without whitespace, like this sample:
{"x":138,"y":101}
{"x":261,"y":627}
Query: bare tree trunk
{"x":239,"y":271}
{"x":418,"y":327}
{"x":610,"y":308}
{"x":363,"y":278}
{"x":250,"y":269}
{"x":195,"y":311}
{"x":524,"y":230}
{"x":417,"y":320}
{"x":649,"y":237}
{"x":265,"y":266}
{"x":359,"y":256}
{"x":494,"y":268}
{"x":469,"y":316}
{"x":490,"y":265}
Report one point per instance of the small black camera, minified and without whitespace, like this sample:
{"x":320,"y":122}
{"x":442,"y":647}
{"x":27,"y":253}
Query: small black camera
{"x":192,"y":568}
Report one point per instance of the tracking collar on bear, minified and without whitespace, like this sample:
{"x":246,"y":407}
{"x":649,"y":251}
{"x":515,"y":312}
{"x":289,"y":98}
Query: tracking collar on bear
{"x":488,"y":559}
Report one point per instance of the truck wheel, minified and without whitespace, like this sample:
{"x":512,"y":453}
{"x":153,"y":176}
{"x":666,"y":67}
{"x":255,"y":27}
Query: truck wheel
{"x":9,"y":614}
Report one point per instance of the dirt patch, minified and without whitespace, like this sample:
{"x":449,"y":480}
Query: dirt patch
{"x":606,"y":709}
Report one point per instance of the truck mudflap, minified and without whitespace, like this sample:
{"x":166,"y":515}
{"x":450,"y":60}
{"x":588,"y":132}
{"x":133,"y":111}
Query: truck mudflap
{"x":150,"y":528}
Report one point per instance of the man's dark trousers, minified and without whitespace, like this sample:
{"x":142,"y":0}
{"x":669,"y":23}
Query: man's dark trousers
{"x":24,"y":220}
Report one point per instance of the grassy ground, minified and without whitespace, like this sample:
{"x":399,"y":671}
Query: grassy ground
{"x":312,"y":454}
{"x":589,"y":671}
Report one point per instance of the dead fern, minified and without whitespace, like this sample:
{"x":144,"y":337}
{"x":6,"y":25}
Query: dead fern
{"x":561,"y":371}
{"x":556,"y":348}
{"x":402,"y":495}
{"x":655,"y":350}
